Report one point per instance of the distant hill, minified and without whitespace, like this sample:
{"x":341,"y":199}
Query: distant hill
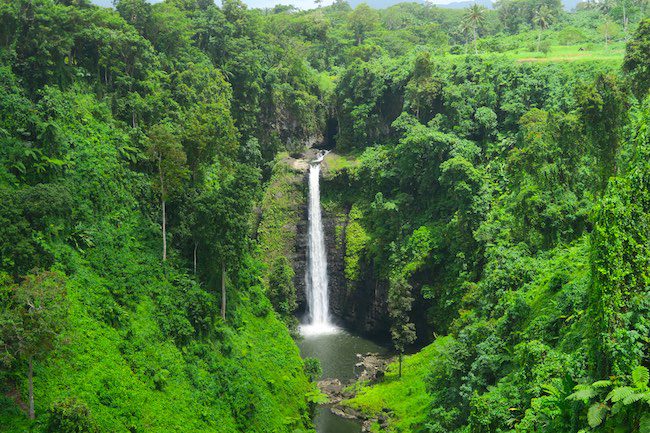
{"x":467,"y":3}
{"x":382,"y":4}
{"x":378,"y":4}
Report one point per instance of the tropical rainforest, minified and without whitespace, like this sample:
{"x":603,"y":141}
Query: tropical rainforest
{"x":492,"y":167}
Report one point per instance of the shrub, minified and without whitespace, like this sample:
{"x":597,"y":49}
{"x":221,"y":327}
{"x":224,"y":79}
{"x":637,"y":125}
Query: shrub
{"x":313,"y":369}
{"x":70,"y":416}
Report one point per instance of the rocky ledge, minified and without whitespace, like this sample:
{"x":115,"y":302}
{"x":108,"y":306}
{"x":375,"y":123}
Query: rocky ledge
{"x":371,"y":367}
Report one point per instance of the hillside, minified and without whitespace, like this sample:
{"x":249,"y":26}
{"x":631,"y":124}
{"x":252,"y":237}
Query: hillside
{"x":483,"y":212}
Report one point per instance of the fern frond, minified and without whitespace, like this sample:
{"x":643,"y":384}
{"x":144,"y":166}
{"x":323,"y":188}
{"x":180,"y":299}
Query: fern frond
{"x":596,"y":414}
{"x":582,"y":392}
{"x":620,"y":393}
{"x":601,"y":383}
{"x":551,"y":390}
{"x":640,"y":377}
{"x":616,"y":407}
{"x":632,"y":398}
{"x":644,"y":425}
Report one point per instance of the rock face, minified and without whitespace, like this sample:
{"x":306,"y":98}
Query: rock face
{"x":337,"y":285}
{"x":360,"y":305}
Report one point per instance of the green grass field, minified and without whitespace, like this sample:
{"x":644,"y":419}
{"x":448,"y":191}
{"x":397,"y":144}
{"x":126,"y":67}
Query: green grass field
{"x":573,"y":53}
{"x":612,"y":54}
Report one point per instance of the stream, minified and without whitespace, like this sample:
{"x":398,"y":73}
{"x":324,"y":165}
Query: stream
{"x":336,"y":348}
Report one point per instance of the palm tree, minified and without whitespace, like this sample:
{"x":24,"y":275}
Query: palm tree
{"x":475,"y":19}
{"x":605,"y":6}
{"x":542,"y":18}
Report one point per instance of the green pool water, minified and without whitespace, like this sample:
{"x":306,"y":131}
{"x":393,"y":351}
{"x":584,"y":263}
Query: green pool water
{"x":338,"y":355}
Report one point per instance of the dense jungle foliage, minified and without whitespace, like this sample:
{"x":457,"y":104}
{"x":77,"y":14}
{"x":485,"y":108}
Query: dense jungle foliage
{"x":503,"y":203}
{"x":133,"y":145}
{"x":493,"y":166}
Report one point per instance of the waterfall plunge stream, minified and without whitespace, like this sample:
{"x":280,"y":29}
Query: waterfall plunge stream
{"x":316,"y":275}
{"x":335,"y":348}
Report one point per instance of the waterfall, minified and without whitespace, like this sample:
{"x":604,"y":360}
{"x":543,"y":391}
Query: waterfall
{"x":316,"y":275}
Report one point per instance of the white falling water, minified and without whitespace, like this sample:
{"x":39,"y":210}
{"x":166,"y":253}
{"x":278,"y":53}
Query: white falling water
{"x":316,"y":275}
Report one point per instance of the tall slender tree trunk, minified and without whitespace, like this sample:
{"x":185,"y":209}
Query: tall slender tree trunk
{"x":223,"y":290}
{"x":164,"y":229}
{"x":196,"y":245}
{"x":164,"y":211}
{"x":30,"y":377}
{"x":539,"y":40}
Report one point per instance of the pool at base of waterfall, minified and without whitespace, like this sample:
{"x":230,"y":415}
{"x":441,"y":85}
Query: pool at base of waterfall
{"x":337,"y":352}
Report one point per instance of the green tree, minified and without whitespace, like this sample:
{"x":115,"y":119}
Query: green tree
{"x":33,"y":316}
{"x":362,"y":20}
{"x":423,"y":91}
{"x":70,"y":416}
{"x":475,"y":19}
{"x":542,"y":19}
{"x":282,"y":292}
{"x":166,"y":151}
{"x":313,"y":369}
{"x":602,"y":106}
{"x":400,"y":302}
{"x":608,"y":30}
{"x":138,"y":13}
{"x":637,"y":60}
{"x":223,"y":208}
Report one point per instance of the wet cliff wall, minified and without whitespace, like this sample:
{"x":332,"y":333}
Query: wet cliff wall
{"x":357,"y":298}
{"x":359,"y":303}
